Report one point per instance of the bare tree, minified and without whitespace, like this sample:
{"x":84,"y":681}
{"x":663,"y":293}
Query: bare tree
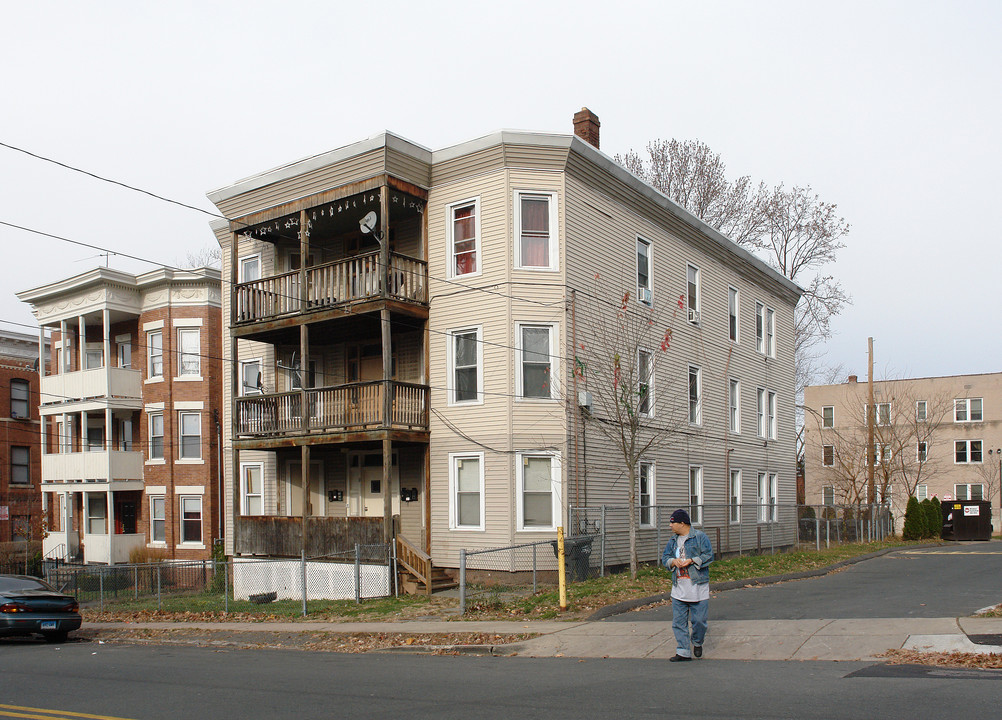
{"x":621,"y":359}
{"x":794,"y":230}
{"x":207,"y":256}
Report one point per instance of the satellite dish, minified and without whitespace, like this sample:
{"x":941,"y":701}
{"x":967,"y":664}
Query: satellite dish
{"x":368,"y":223}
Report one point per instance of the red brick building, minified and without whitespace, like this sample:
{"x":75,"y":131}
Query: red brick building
{"x":129,"y":408}
{"x":20,"y":468}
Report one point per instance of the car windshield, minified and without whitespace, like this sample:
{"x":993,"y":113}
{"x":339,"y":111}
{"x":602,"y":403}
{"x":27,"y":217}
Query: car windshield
{"x":9,"y":583}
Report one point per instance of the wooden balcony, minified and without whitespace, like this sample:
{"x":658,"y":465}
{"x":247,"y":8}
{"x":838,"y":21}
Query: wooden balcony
{"x":280,"y":536}
{"x":330,"y":286}
{"x":338,"y":408}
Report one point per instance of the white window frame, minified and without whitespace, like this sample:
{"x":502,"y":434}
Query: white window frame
{"x":554,"y":243}
{"x":772,"y":411}
{"x":828,"y":495}
{"x":878,"y":415}
{"x":968,"y":452}
{"x":824,"y":420}
{"x":774,"y":497}
{"x":554,"y":362}
{"x":734,"y":497}
{"x":151,"y":356}
{"x":123,"y":350}
{"x":760,"y":402}
{"x":450,"y":222}
{"x":921,"y":451}
{"x":245,"y":494}
{"x":20,"y":465}
{"x":182,"y":501}
{"x":102,"y":519}
{"x":242,"y":267}
{"x":763,"y":497}
{"x":454,"y":519}
{"x":182,"y":457}
{"x":20,"y":399}
{"x":477,"y":331}
{"x":825,"y":460}
{"x":967,"y":491}
{"x":696,"y":494}
{"x":965,"y":407}
{"x":194,"y":372}
{"x":555,"y":478}
{"x":770,"y":332}
{"x":645,"y":291}
{"x":246,"y":389}
{"x":921,"y":411}
{"x":734,"y":314}
{"x":695,"y":404}
{"x":693,"y":309}
{"x":921,"y":492}
{"x":152,"y":418}
{"x":158,"y":519}
{"x":734,"y":406}
{"x":646,"y":510}
{"x":645,"y":373}
{"x":760,"y":327}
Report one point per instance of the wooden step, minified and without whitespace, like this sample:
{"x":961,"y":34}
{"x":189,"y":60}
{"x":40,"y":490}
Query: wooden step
{"x":440,"y":580}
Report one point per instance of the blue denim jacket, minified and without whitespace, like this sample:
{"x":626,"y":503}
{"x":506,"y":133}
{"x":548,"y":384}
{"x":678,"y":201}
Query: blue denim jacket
{"x":698,"y":548}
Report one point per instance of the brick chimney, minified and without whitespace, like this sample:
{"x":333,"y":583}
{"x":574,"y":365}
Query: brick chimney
{"x":853,"y":378}
{"x":586,"y":126}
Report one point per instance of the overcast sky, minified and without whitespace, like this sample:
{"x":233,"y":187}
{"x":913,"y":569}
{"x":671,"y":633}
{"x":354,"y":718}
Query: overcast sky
{"x":889,"y":109}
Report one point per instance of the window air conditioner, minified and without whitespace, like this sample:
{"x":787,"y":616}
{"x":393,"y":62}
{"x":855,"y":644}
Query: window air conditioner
{"x":694,"y":316}
{"x":645,"y":295}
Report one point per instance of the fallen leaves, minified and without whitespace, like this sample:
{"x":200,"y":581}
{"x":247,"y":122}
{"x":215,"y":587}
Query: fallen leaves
{"x":944,"y":659}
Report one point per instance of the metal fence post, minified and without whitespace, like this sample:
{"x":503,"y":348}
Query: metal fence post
{"x":657,"y":525}
{"x":159,"y":600}
{"x":100,"y":583}
{"x":302,"y":573}
{"x":462,"y":581}
{"x":817,"y":533}
{"x":226,"y":587}
{"x":602,"y":574}
{"x":533,"y":569}
{"x":358,"y":573}
{"x":393,"y":559}
{"x":741,"y":534}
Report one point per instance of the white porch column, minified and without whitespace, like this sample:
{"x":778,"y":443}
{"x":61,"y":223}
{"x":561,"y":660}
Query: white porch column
{"x":63,"y":361}
{"x":84,"y":445}
{"x":111,"y":524}
{"x":82,"y":342}
{"x":106,"y":321}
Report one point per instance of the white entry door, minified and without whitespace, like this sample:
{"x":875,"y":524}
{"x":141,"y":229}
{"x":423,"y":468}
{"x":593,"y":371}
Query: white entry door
{"x":365,"y":474}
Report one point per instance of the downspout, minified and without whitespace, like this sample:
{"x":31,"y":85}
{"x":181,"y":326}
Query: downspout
{"x":168,"y":341}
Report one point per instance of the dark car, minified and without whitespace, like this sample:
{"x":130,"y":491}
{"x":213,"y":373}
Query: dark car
{"x":30,"y":606}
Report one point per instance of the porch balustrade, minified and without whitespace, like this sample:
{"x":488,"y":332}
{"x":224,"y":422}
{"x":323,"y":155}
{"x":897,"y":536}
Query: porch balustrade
{"x":354,"y":406}
{"x":327,"y":286}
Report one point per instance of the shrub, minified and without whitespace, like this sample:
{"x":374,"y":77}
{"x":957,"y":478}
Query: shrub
{"x":915,"y":524}
{"x":935,"y":518}
{"x":142,"y":555}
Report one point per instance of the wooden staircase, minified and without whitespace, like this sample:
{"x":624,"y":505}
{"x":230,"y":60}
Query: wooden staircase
{"x":417,"y":573}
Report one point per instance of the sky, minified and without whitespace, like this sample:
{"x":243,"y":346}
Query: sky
{"x":890,"y":110}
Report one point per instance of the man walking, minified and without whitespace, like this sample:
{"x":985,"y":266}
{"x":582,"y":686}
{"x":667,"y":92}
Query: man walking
{"x":688,"y":555}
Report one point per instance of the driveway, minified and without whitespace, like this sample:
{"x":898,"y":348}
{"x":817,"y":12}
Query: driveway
{"x":952,"y":580}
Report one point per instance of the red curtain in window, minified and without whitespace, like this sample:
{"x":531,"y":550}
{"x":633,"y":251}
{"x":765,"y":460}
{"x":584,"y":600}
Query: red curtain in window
{"x":535,"y":231}
{"x":465,"y":240}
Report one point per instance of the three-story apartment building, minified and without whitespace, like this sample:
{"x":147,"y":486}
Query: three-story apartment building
{"x":129,"y":404}
{"x":403,"y":322}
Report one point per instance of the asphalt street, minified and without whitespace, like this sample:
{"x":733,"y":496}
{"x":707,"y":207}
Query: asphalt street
{"x":947,"y":581}
{"x":153,"y":683}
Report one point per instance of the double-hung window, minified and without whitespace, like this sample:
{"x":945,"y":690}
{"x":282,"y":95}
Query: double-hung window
{"x":734,"y":404}
{"x":882,"y":415}
{"x":191,"y":519}
{"x":250,"y":377}
{"x":250,"y":268}
{"x":538,"y":490}
{"x":156,"y":436}
{"x":536,"y":239}
{"x":466,"y":477}
{"x":158,"y":519}
{"x":645,"y":383}
{"x":695,"y":395}
{"x":732,"y":314}
{"x":922,"y":451}
{"x":772,"y":422}
{"x":692,"y":293}
{"x":828,"y":416}
{"x":969,"y":491}
{"x":696,"y":494}
{"x":921,"y":411}
{"x":734,"y":497}
{"x":189,"y":359}
{"x":537,"y":365}
{"x":466,"y":359}
{"x":828,"y":495}
{"x":760,"y":327}
{"x":645,"y":493}
{"x":828,"y":455}
{"x":123,"y":344}
{"x":968,"y":410}
{"x":967,"y":452}
{"x":191,"y":435}
{"x":155,"y":353}
{"x":770,"y":332}
{"x":464,"y":237}
{"x":19,"y":399}
{"x":253,"y":489}
{"x":644,"y":285}
{"x":760,"y":411}
{"x":20,"y":465}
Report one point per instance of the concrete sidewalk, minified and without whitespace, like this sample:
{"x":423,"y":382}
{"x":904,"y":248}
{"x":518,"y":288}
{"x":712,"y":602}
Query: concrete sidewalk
{"x":841,"y":639}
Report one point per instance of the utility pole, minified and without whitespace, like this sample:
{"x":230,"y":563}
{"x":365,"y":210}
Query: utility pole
{"x":871,"y":410}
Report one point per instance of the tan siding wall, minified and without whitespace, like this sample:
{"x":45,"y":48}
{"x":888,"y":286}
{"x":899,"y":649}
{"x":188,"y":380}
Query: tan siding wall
{"x":406,"y":167}
{"x":463,"y":168}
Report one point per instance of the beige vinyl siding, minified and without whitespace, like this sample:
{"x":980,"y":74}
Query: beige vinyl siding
{"x":407,"y":167}
{"x":360,"y":167}
{"x":535,"y":157}
{"x":462,"y":168}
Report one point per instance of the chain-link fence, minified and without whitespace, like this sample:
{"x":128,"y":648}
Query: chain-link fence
{"x":597,"y":542}
{"x":367,"y":571}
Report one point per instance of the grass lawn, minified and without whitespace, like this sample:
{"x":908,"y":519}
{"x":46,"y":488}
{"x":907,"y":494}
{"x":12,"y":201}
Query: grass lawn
{"x":583,"y":598}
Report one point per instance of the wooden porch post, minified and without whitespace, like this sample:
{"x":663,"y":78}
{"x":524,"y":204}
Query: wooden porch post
{"x":304,"y":363}
{"x":384,"y":318}
{"x":236,"y":381}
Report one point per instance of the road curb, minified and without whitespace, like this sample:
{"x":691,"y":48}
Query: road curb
{"x":628,"y":605}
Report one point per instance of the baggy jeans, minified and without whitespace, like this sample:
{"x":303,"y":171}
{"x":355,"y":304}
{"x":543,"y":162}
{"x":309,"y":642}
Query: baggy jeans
{"x":682,"y":614}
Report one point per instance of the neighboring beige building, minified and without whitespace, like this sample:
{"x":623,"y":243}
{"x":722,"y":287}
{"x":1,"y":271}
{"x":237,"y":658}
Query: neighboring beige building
{"x":939,"y":436}
{"x":129,"y":402}
{"x":440,"y":393}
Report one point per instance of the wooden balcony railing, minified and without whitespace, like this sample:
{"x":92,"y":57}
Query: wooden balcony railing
{"x":336,"y":283}
{"x":283,"y":536}
{"x":355,"y":406}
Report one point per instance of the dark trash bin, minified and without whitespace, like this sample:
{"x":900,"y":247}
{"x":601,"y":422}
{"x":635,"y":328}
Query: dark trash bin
{"x":967,"y":520}
{"x":577,"y":551}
